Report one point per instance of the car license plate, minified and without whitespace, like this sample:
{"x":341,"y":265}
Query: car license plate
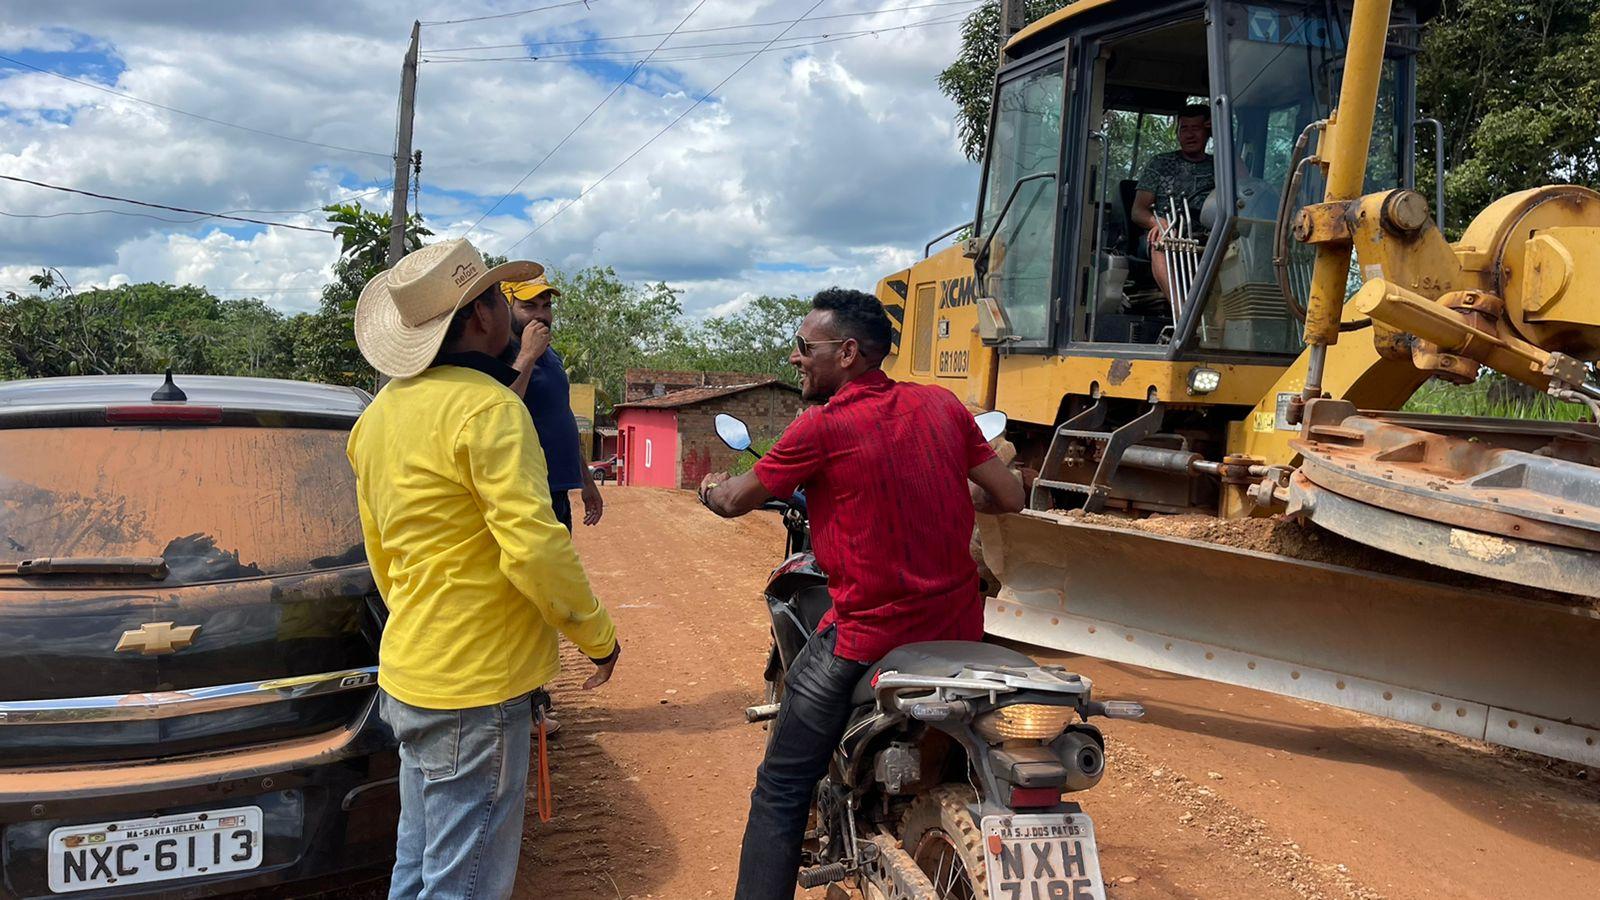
{"x":139,"y":851}
{"x":1042,"y":857}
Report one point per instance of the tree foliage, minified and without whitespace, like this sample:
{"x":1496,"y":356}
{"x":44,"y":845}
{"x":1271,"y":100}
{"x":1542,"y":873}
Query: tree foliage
{"x":604,"y":325}
{"x":970,"y":79}
{"x":756,"y":338}
{"x":1517,"y":85}
{"x":139,"y":328}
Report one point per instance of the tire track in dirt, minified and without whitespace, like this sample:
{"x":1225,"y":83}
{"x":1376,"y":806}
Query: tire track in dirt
{"x":1243,"y":836}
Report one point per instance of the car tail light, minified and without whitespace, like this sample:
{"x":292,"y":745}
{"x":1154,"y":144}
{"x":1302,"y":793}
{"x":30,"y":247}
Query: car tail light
{"x":1033,"y":798}
{"x":155,"y":413}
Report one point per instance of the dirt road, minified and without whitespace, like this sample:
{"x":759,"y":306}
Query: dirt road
{"x":1220,"y":793}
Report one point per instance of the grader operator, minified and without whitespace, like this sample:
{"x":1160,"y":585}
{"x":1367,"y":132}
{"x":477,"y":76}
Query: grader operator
{"x":1253,"y":379}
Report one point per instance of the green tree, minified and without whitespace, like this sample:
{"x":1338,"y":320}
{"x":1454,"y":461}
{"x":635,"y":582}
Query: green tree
{"x":253,"y":339}
{"x":970,"y":79}
{"x":757,"y":338}
{"x":324,"y":345}
{"x":1517,"y":85}
{"x":363,"y":235}
{"x":605,"y":326}
{"x":131,"y":328}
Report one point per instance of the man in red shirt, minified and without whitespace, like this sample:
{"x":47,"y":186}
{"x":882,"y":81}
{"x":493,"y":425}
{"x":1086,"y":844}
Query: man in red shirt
{"x":885,"y":468}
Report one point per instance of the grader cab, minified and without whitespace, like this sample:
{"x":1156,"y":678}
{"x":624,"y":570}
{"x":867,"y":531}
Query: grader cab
{"x":1221,"y":483}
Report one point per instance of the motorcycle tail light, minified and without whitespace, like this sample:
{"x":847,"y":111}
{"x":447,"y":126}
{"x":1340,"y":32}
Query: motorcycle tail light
{"x":1024,"y":721}
{"x":1033,"y":798}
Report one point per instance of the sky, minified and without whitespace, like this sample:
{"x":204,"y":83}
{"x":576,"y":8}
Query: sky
{"x":831,"y":158}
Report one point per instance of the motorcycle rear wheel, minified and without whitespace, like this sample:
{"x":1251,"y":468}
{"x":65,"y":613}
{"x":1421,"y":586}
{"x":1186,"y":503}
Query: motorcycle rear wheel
{"x":946,"y":844}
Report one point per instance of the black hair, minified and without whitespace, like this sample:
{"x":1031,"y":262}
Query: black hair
{"x":458,"y":322}
{"x":859,"y":316}
{"x":1194,"y":111}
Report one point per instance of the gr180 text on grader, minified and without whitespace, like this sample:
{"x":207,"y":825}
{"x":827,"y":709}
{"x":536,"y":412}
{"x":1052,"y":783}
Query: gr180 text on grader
{"x":1262,"y":390}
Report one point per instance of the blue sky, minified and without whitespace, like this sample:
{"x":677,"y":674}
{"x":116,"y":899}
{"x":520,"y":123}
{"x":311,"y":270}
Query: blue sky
{"x":819,"y":165}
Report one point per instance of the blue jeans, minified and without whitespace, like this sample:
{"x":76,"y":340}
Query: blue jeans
{"x":463,"y":785}
{"x":815,"y":709}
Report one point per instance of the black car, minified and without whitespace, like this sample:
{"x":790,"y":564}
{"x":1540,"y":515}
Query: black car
{"x":188,"y":640}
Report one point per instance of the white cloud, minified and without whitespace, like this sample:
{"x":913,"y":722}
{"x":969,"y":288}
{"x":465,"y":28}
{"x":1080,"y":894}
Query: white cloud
{"x":815,"y":166}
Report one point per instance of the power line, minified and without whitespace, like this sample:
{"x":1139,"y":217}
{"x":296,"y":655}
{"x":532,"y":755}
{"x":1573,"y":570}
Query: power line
{"x":508,"y":15}
{"x":810,"y":40}
{"x":123,"y":212}
{"x":94,"y":212}
{"x":642,"y":147}
{"x":623,"y":37}
{"x":603,"y":100}
{"x":181,"y":209}
{"x":192,"y":115}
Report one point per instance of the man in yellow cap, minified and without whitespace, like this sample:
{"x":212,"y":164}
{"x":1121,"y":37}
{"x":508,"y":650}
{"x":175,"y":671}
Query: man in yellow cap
{"x":547,"y":393}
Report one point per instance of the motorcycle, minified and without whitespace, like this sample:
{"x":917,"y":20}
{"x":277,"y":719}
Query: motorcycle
{"x":952,"y":775}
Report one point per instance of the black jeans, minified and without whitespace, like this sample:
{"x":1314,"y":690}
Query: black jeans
{"x":561,"y":504}
{"x":816,"y":707}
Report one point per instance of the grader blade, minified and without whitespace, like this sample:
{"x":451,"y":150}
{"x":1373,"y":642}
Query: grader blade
{"x":1484,"y":664}
{"x":1508,"y":500}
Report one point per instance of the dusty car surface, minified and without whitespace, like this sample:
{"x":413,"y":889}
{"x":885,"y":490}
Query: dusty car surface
{"x":188,"y":640}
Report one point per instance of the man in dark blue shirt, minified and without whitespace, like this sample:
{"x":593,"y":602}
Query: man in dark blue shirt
{"x":543,"y":384}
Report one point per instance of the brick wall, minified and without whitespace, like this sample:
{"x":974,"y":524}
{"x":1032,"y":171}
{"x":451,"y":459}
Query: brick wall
{"x":767,"y":410}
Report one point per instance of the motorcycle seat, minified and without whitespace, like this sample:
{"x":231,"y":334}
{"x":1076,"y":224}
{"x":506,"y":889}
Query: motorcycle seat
{"x":943,"y":659}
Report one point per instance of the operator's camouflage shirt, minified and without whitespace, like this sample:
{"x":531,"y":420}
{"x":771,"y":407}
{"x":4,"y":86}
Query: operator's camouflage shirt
{"x":1171,"y":175}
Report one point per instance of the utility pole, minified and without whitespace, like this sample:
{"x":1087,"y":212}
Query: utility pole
{"x":1013,"y":15}
{"x":402,"y":152}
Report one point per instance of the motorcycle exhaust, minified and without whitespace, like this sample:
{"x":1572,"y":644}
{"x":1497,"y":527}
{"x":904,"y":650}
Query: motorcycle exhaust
{"x":1082,"y":752}
{"x":766,"y":712}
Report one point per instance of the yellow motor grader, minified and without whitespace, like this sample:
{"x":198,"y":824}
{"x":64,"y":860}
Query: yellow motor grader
{"x":1255,"y":389}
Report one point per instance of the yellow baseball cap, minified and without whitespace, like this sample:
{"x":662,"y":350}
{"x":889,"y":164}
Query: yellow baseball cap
{"x":527,"y":290}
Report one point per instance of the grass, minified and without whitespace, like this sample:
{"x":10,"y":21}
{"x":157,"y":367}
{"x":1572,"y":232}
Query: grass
{"x":1493,"y":397}
{"x":744,"y":462}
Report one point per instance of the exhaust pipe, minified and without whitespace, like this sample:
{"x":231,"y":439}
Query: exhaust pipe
{"x":1082,"y":751}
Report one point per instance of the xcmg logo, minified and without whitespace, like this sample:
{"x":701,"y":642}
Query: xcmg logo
{"x":956,"y":292}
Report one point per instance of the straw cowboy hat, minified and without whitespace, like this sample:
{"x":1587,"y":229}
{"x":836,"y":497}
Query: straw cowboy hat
{"x":403,"y":313}
{"x":527,"y":290}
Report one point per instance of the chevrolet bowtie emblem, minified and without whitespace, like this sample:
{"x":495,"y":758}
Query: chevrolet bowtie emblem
{"x":157,"y":638}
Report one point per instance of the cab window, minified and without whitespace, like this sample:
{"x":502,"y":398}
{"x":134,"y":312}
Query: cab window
{"x":1025,"y":141}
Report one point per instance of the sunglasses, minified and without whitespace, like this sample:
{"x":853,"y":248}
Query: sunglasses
{"x":804,"y":346}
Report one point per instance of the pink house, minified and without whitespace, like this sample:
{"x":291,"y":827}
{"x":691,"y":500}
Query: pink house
{"x":670,"y":441}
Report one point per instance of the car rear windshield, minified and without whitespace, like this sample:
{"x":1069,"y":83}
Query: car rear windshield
{"x":216,"y":503}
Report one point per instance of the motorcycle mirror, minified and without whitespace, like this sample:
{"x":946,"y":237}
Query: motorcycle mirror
{"x":733,"y":432}
{"x":992,"y":424}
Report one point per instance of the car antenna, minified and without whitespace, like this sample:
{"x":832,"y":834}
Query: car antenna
{"x":169,"y":390}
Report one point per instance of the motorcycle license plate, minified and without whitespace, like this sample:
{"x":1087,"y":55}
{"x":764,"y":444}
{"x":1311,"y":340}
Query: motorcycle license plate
{"x":1042,"y":857}
{"x":140,"y":851}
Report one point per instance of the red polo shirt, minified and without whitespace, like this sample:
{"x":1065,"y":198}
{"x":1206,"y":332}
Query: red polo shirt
{"x":884,"y":466}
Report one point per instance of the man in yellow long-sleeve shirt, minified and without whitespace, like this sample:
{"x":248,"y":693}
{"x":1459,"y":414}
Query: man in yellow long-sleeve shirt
{"x":476,"y":572}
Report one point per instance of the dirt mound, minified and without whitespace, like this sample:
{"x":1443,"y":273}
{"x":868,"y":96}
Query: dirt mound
{"x":1288,"y":537}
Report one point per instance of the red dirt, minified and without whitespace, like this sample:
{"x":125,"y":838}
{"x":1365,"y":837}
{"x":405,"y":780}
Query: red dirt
{"x":1220,"y":792}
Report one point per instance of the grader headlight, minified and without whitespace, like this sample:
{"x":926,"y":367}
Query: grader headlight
{"x":1203,"y":380}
